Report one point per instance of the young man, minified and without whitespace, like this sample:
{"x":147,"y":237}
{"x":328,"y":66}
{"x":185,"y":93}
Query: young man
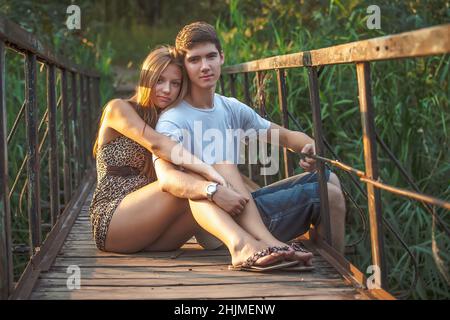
{"x":283,"y":210}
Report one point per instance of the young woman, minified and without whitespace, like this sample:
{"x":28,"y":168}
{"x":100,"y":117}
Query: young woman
{"x":129,"y":210}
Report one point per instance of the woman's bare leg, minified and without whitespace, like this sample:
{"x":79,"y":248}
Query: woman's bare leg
{"x":250,"y":219}
{"x":142,"y":217}
{"x":180,"y":231}
{"x":238,"y":241}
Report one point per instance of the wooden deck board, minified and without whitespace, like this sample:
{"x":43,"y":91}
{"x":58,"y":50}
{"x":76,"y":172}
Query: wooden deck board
{"x":188,"y":273}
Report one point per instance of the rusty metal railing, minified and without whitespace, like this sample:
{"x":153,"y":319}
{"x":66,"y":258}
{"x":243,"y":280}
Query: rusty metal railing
{"x":78,"y":102}
{"x":423,"y":42}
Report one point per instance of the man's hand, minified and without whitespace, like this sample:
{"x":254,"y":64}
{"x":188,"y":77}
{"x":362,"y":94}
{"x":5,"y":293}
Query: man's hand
{"x":308,"y":164}
{"x":229,"y":200}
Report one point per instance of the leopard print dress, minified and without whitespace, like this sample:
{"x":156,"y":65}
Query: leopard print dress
{"x":111,"y":189}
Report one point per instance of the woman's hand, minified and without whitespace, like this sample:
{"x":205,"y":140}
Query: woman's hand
{"x":229,"y":200}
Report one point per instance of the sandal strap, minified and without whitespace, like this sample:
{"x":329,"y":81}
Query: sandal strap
{"x":279,"y":248}
{"x":298,"y":247}
{"x":257,"y":255}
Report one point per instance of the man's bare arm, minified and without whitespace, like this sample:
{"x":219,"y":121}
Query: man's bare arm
{"x":293,"y":140}
{"x":189,"y":185}
{"x":180,"y":183}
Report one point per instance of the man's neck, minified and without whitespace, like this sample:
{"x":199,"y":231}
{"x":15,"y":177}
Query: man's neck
{"x":201,"y":98}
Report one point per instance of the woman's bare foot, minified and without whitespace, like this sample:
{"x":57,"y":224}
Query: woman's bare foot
{"x":304,"y":257}
{"x":242,"y":252}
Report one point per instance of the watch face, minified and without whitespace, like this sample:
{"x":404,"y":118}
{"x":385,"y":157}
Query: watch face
{"x":211,"y":188}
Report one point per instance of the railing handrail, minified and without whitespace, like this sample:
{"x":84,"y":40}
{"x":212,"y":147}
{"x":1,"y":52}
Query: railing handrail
{"x":421,"y":42}
{"x":24,"y":41}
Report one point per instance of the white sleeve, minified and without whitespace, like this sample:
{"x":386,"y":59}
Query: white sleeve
{"x":247,"y":117}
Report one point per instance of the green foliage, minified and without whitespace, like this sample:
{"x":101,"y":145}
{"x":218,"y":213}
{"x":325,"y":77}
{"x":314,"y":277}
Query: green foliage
{"x":411,"y":99}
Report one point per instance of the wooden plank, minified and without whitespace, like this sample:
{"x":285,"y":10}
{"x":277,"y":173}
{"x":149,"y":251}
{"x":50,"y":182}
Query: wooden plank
{"x":141,"y":261}
{"x":94,"y":252}
{"x":181,"y":272}
{"x":267,"y":290}
{"x":179,"y":280}
{"x":422,"y":42}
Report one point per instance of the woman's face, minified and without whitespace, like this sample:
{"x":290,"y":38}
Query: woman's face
{"x":167,"y":87}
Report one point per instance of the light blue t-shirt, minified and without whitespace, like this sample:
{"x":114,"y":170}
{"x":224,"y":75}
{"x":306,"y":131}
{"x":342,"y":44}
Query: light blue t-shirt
{"x":213,"y":135}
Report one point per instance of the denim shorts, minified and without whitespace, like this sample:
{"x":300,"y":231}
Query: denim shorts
{"x":288,"y":207}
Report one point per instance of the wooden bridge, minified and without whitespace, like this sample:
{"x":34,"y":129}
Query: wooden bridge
{"x":68,"y":249}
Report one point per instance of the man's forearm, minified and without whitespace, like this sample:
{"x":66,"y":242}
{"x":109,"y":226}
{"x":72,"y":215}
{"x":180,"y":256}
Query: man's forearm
{"x":297,"y":140}
{"x":185,"y":185}
{"x":292,"y":140}
{"x":182,"y":184}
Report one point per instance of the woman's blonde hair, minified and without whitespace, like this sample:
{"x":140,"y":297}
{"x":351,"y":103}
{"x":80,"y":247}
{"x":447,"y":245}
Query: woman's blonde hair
{"x":155,"y":63}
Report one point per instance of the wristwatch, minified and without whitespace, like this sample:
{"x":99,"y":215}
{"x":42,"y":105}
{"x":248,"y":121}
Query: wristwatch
{"x":211,"y":189}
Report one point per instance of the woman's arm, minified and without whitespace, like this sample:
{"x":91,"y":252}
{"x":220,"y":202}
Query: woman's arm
{"x":121,"y":117}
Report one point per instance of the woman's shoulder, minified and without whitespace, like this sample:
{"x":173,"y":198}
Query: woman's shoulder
{"x":119,"y":103}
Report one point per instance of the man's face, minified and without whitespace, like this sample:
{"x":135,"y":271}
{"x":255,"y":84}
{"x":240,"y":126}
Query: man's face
{"x":202,"y":63}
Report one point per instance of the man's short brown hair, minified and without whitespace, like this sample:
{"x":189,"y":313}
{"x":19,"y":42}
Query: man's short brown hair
{"x":195,"y":33}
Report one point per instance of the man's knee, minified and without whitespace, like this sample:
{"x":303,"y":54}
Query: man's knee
{"x":334,"y":180}
{"x":335,"y":196}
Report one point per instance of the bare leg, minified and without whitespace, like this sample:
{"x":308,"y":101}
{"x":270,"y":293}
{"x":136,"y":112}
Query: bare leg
{"x":145,"y":214}
{"x":238,"y":241}
{"x":176,"y":234}
{"x":250,"y":220}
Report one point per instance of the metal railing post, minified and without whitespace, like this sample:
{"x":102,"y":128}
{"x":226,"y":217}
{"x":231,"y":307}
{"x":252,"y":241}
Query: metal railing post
{"x":6,"y":262}
{"x":261,"y":106}
{"x":371,"y":166}
{"x":90,"y":118}
{"x":323,"y":188}
{"x":76,"y":129}
{"x":33,"y":168}
{"x":66,"y":137}
{"x":248,"y":101}
{"x":233,"y":85}
{"x":281,"y":80}
{"x":83,"y":137}
{"x":53,"y":152}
